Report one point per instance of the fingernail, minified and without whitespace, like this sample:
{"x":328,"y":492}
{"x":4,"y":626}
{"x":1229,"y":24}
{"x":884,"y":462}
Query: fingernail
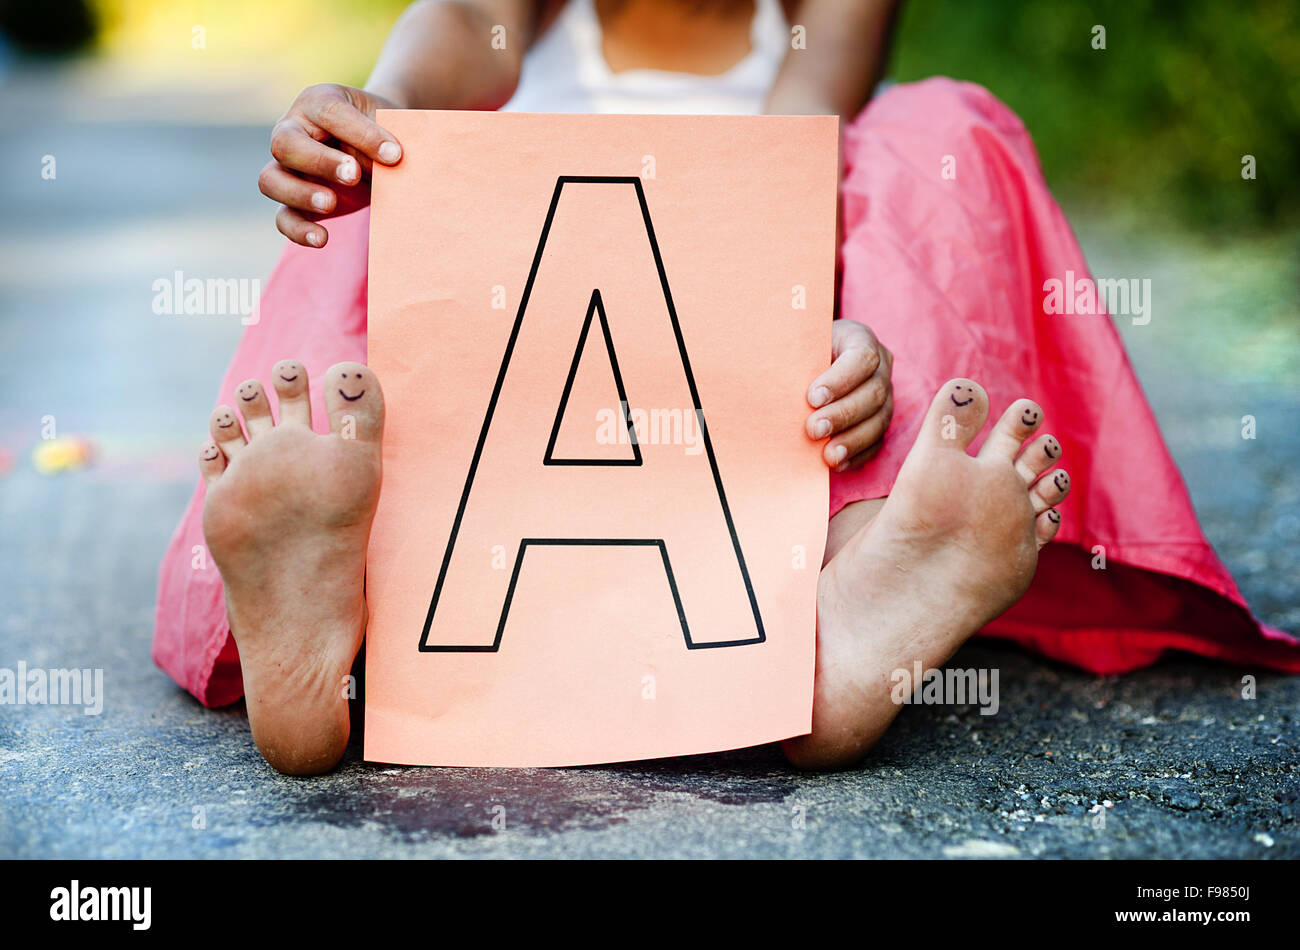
{"x":838,"y":453}
{"x":314,"y":238}
{"x":821,"y":428}
{"x":320,"y":201}
{"x":347,"y":171}
{"x":390,"y":152}
{"x":820,"y":396}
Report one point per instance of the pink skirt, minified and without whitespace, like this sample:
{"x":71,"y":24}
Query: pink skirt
{"x":950,"y":238}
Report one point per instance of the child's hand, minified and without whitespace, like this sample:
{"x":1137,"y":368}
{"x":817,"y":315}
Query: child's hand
{"x":854,"y":398}
{"x":323,"y":150}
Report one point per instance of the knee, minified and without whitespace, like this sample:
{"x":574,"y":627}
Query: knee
{"x":938,"y":103}
{"x":939,"y":116}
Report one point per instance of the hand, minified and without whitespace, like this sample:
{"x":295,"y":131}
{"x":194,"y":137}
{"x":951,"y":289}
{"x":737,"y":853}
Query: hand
{"x":854,"y":399}
{"x":322,"y":153}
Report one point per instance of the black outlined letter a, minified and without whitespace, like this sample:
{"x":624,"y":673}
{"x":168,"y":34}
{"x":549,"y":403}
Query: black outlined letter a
{"x":597,"y":279}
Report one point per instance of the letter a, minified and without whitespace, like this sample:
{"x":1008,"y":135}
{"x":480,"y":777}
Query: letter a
{"x":596,"y":305}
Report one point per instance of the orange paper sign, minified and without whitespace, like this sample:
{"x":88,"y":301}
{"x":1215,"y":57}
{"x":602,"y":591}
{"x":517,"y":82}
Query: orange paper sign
{"x":601,"y":524}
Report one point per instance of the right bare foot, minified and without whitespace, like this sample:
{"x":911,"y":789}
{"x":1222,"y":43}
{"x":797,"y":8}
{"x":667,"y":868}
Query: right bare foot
{"x":952,"y":547}
{"x":287,"y":519}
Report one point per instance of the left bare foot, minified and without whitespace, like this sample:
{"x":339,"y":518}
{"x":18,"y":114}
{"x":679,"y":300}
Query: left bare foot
{"x":954,"y":545}
{"x":287,"y":519}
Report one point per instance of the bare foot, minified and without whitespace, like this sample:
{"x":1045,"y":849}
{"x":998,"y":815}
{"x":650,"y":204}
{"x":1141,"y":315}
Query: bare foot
{"x":287,"y":519}
{"x":952,"y":547}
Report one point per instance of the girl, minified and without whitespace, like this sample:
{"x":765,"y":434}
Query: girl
{"x":949,"y":235}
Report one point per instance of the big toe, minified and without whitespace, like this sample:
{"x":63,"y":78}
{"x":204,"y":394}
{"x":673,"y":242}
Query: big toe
{"x":956,"y":415}
{"x":354,"y":401}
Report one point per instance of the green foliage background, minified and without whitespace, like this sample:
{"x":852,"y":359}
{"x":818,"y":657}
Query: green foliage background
{"x":1159,"y":120}
{"x":1154,"y":125}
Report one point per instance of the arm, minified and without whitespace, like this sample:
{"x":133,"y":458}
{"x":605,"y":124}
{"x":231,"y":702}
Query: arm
{"x":439,"y":55}
{"x":847,"y":47}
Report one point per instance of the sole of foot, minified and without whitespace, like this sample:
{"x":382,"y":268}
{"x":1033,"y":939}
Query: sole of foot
{"x":287,"y":521}
{"x":954,"y":545}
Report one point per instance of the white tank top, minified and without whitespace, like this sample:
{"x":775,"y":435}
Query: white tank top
{"x":565,"y":71}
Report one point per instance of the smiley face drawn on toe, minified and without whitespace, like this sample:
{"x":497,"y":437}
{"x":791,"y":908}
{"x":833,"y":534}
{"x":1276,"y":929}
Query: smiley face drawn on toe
{"x":249,"y":391}
{"x":959,"y":403}
{"x":1052,"y":449}
{"x":210,"y":452}
{"x":288,"y":371}
{"x":1030,"y":418}
{"x":345,"y":395}
{"x":1062,"y":481}
{"x":1053,"y":516}
{"x":226,"y":419}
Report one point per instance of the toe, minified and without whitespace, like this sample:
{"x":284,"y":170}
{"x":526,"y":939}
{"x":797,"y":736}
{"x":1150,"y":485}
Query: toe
{"x":1019,"y":422}
{"x":1050,"y":490}
{"x":1038,"y":456}
{"x":254,"y":407}
{"x":289,"y":377}
{"x":957,"y":414}
{"x":226,"y":432}
{"x":1046,"y":525}
{"x":354,"y":401}
{"x":211,"y":462}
